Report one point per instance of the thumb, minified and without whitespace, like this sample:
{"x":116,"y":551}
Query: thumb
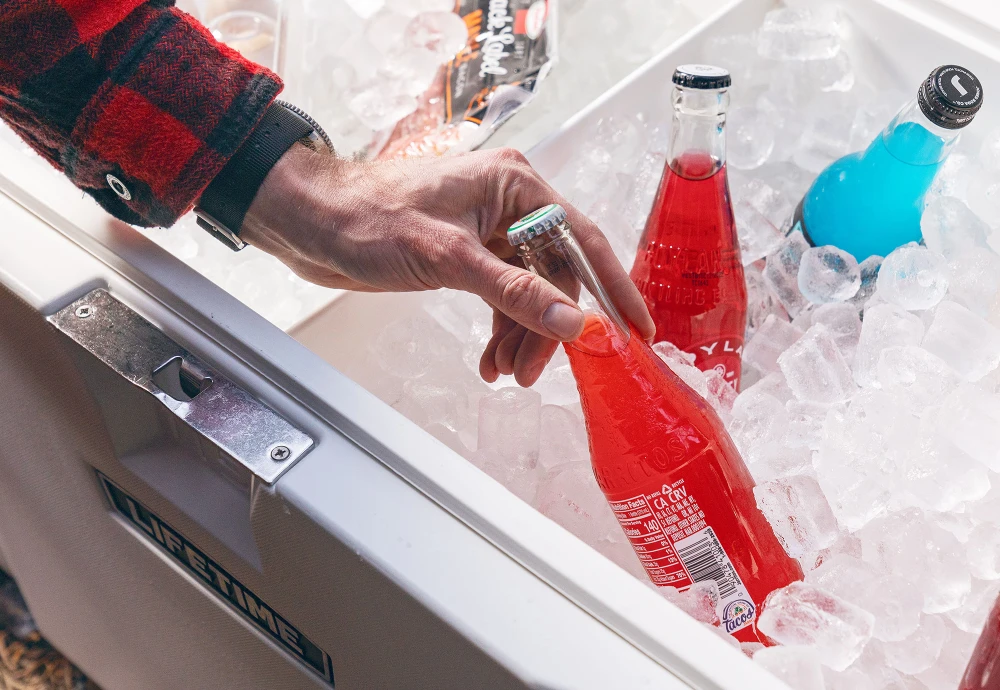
{"x":525,"y":297}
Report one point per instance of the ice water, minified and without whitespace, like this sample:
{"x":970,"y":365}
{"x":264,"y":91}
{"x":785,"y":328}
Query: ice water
{"x":688,"y":266}
{"x":871,"y":202}
{"x":659,"y":452}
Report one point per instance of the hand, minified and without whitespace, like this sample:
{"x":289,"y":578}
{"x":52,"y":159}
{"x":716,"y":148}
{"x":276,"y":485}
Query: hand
{"x":433,"y":223}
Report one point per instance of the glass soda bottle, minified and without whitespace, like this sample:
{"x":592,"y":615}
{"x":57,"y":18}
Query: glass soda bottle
{"x":870,"y":202}
{"x":983,"y":671}
{"x":660,"y":454}
{"x":688,"y":266}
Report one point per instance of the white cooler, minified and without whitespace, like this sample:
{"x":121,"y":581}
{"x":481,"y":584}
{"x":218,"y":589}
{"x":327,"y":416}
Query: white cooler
{"x":285,"y":528}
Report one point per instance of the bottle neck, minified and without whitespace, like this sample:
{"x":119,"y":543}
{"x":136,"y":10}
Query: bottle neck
{"x":698,"y":136}
{"x":556,"y":256}
{"x":914,"y":139}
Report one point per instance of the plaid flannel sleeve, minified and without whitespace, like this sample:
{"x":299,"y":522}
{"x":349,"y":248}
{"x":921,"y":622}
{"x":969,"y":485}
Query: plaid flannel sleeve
{"x":133,"y":91}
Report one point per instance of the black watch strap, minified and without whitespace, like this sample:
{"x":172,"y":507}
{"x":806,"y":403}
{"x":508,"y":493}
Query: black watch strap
{"x":226,"y":200}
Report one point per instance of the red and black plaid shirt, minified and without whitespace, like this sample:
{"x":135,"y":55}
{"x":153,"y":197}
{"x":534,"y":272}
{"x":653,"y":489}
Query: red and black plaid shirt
{"x":135,"y":89}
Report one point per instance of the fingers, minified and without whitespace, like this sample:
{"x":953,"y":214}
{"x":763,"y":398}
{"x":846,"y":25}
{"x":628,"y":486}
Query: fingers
{"x":533,"y":354}
{"x":525,"y":191}
{"x":515,"y":350}
{"x":526,"y":298}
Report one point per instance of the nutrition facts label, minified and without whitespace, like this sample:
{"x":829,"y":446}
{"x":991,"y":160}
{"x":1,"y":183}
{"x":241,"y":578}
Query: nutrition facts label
{"x":677,"y":547}
{"x":650,"y":541}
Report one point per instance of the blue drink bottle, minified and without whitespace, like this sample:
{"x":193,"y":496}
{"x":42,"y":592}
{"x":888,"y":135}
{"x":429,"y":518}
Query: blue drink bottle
{"x":870,"y":202}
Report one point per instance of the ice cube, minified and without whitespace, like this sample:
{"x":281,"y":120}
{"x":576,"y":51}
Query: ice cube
{"x":893,"y":599}
{"x":700,"y":601}
{"x":869,"y":276}
{"x":569,"y":495}
{"x":757,"y":418}
{"x":885,"y":325}
{"x":826,"y":138}
{"x":509,"y":419}
{"x":408,"y":347}
{"x":782,"y":271}
{"x":750,"y":648}
{"x":797,"y":34}
{"x":975,"y":279}
{"x":971,"y":615}
{"x":828,"y":274}
{"x":363,"y":8}
{"x":772,"y":338}
{"x":907,"y":543}
{"x":797,"y":666}
{"x":847,"y":462}
{"x":970,"y":419}
{"x":622,"y":138}
{"x":803,"y":614}
{"x":557,"y":385}
{"x":440,"y":33}
{"x":415,"y":7}
{"x":682,"y":364}
{"x":984,"y":194}
{"x":758,"y":236}
{"x":924,"y":378}
{"x":750,"y":138}
{"x":773,"y":460}
{"x":761,"y":301}
{"x":844,"y":325}
{"x":805,"y":424}
{"x":563,"y":439}
{"x":380,"y":107}
{"x":518,"y":472}
{"x":798,"y":513}
{"x":983,"y":551}
{"x":949,"y":227}
{"x":989,"y":152}
{"x":919,"y":651}
{"x":966,"y":342}
{"x":815,"y":368}
{"x":946,"y":673}
{"x":426,"y":402}
{"x":913,"y":277}
{"x":767,"y":200}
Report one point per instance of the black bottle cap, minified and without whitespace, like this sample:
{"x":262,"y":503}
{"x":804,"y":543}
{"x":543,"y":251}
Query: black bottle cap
{"x":702,"y":77}
{"x":951,"y":96}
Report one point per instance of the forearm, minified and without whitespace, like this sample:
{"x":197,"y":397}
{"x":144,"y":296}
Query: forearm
{"x":135,"y":90}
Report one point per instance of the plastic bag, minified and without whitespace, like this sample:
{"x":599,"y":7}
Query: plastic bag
{"x":510,"y":50}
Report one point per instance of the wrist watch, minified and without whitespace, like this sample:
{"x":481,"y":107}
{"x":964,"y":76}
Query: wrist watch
{"x":225,"y":202}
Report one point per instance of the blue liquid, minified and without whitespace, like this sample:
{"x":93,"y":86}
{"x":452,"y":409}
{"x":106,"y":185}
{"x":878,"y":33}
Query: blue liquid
{"x":869,"y":203}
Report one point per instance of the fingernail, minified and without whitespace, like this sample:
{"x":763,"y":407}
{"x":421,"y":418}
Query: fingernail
{"x":563,"y":321}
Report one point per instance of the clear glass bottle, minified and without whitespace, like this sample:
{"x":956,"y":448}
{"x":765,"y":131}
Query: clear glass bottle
{"x":660,"y":454}
{"x":688,"y":266}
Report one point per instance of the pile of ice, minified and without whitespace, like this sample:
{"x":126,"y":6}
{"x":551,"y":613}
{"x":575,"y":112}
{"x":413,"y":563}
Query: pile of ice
{"x":870,"y":408}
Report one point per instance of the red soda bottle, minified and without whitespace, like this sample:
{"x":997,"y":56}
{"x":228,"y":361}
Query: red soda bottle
{"x":983,"y":671}
{"x":688,"y":267}
{"x":659,"y":452}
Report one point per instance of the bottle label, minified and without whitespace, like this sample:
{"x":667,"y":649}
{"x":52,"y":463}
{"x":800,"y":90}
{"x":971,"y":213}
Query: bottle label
{"x":721,"y":354}
{"x":678,"y":547}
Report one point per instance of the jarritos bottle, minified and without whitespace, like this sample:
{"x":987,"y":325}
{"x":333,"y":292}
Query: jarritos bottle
{"x":661,"y":455}
{"x":688,"y":267}
{"x":983,"y":671}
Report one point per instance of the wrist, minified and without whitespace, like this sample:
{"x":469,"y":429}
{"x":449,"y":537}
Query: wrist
{"x":279,"y":217}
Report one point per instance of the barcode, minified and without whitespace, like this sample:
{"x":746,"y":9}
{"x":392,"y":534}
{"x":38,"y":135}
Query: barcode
{"x":701,"y":559}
